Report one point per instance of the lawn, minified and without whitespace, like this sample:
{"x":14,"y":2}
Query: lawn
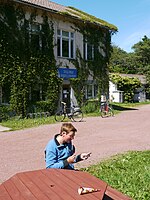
{"x":18,"y":124}
{"x":128,"y":173}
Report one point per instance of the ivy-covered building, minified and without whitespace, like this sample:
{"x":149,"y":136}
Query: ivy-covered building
{"x":50,"y":52}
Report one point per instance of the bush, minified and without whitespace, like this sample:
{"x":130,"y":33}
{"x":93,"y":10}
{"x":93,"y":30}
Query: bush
{"x":45,"y":106}
{"x":6,"y":112}
{"x":91,"y":106}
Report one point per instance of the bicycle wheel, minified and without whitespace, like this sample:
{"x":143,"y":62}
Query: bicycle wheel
{"x":104,"y":113}
{"x":77,"y":116}
{"x":59,"y":116}
{"x":110,"y":112}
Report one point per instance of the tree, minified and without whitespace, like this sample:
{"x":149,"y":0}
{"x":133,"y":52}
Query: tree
{"x":142,"y":51}
{"x":122,"y":62}
{"x":142,"y":55}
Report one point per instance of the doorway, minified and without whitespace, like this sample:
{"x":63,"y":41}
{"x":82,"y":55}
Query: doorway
{"x":66,"y":95}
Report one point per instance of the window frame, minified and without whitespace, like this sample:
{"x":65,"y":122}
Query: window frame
{"x":85,"y":51}
{"x":93,"y":90}
{"x":71,"y":44}
{"x":36,"y":32}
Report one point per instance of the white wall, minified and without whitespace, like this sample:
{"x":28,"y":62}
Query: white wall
{"x":114,"y":94}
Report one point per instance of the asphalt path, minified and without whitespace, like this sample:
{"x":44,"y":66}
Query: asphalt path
{"x":23,"y":150}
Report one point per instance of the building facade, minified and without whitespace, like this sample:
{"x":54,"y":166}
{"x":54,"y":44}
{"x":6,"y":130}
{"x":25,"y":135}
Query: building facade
{"x":69,"y":43}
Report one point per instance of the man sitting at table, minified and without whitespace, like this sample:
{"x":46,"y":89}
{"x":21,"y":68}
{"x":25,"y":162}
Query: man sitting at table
{"x":60,"y":152}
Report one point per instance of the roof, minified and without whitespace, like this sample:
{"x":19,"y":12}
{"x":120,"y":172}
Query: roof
{"x":46,"y":4}
{"x":142,"y":78}
{"x":69,"y":11}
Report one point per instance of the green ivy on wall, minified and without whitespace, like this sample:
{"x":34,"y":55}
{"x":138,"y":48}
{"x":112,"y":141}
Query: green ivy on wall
{"x":22,"y":66}
{"x":98,"y":67}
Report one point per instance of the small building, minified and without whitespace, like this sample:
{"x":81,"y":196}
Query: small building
{"x":116,"y":95}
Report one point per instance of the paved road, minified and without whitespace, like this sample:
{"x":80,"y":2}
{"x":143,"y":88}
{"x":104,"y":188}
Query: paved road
{"x":24,"y":150}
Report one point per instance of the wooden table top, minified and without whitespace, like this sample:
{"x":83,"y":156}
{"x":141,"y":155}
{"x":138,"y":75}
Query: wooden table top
{"x":51,"y":184}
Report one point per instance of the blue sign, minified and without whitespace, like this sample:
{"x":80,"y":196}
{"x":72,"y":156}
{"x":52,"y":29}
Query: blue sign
{"x":67,"y":73}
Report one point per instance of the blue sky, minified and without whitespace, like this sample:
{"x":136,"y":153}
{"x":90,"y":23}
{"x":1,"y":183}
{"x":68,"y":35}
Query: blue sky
{"x":132,"y":17}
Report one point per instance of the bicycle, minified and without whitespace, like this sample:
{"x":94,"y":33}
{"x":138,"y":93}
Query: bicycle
{"x":106,"y":110}
{"x":76,"y":114}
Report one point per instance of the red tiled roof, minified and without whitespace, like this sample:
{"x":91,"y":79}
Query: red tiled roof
{"x":46,"y":4}
{"x":68,"y":10}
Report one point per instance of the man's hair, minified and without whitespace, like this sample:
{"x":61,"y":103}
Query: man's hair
{"x":67,"y":127}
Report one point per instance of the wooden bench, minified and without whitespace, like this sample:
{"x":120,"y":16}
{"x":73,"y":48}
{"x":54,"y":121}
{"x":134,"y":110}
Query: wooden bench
{"x":113,"y":194}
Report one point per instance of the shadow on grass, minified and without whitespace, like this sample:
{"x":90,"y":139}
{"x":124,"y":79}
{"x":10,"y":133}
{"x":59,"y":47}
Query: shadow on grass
{"x":120,"y":108}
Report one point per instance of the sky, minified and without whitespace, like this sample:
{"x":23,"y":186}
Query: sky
{"x":131,"y":17}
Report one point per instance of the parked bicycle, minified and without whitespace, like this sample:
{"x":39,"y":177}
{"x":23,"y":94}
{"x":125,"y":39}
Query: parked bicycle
{"x":106,"y":110}
{"x":73,"y":113}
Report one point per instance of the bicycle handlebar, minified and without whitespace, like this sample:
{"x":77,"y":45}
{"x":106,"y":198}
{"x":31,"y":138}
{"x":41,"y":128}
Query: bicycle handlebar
{"x":63,"y":102}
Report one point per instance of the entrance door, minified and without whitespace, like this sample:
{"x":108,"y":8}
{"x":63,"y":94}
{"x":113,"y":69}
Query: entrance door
{"x":66,"y":95}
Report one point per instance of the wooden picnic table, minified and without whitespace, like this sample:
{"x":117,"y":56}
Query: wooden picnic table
{"x":56,"y":184}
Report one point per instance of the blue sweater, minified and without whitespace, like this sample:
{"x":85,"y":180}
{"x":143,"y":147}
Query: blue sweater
{"x":56,"y":155}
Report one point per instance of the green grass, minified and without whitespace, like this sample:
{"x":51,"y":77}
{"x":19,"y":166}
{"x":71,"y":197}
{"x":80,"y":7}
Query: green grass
{"x":131,"y":105}
{"x":18,"y":124}
{"x":128,"y":173}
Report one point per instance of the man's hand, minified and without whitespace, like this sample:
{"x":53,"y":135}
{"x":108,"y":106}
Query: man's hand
{"x":71,"y":159}
{"x":85,"y":156}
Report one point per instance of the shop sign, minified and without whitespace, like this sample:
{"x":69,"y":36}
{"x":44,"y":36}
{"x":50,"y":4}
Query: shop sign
{"x":67,"y":73}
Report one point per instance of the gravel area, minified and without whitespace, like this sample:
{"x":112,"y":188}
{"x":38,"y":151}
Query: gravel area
{"x":24,"y":150}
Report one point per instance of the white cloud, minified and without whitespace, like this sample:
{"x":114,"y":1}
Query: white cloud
{"x":126,"y":41}
{"x":134,"y":38}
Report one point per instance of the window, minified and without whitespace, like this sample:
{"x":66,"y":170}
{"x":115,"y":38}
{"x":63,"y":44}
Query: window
{"x":65,"y":44}
{"x":88,"y":53}
{"x":35,"y":38}
{"x":91,"y":91}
